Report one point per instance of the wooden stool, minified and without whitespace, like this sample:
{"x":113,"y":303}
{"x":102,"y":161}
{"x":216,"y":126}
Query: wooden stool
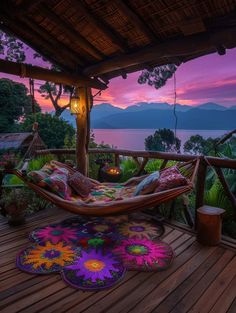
{"x":209,"y":222}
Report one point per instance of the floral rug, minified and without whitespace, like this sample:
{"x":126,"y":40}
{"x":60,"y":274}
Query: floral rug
{"x":94,"y":253}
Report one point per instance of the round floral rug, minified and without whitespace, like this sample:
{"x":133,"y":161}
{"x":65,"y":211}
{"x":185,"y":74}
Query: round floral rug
{"x":54,"y":233}
{"x":46,"y":258}
{"x":94,"y":270}
{"x":144,"y":255}
{"x":141,"y":229}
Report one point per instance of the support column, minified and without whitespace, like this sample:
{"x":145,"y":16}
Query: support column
{"x":82,"y":130}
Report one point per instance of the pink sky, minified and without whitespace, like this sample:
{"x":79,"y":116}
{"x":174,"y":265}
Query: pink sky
{"x":210,"y":78}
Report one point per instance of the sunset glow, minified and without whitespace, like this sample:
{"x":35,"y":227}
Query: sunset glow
{"x":211,"y":78}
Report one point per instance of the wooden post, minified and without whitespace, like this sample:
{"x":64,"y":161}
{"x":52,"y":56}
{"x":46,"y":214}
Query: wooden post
{"x":200,"y":187}
{"x":82,"y":131}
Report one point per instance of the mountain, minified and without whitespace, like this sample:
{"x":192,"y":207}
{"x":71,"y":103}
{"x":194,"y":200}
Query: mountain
{"x":211,"y":106}
{"x":103,"y":110}
{"x":158,"y":115}
{"x":192,"y":119}
{"x":141,"y":106}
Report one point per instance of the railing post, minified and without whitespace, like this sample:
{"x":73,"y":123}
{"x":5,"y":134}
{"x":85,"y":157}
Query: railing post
{"x":200,"y":187}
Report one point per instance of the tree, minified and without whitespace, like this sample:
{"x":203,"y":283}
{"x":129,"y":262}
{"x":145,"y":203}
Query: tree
{"x":158,"y":76}
{"x":163,"y":140}
{"x":11,"y":48}
{"x":54,"y":92}
{"x":15,"y":103}
{"x":52,"y":129}
{"x":198,"y":145}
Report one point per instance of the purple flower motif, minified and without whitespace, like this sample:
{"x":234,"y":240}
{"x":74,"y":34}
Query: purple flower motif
{"x":94,"y":265}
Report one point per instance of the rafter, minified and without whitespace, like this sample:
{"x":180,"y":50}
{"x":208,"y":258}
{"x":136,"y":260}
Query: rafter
{"x":36,"y":47}
{"x":67,"y":29}
{"x":78,"y":60}
{"x":101,"y":25}
{"x":135,"y":19}
{"x":36,"y":72}
{"x":185,"y":46}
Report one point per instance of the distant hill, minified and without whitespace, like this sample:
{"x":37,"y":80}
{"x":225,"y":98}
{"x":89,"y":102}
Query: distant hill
{"x":158,"y":115}
{"x":211,"y":106}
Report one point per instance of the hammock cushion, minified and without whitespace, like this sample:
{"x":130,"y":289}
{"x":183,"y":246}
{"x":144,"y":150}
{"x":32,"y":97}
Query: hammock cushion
{"x":148,"y":184}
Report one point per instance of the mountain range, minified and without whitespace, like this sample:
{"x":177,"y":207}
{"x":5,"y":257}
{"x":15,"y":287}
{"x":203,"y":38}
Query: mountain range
{"x":155,"y":115}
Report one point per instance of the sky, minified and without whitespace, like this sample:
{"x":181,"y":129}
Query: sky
{"x":211,"y":78}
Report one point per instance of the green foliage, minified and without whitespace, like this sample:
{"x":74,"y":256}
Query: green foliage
{"x":158,"y":76}
{"x":52,"y":129}
{"x":198,"y":145}
{"x":11,"y":48}
{"x":15,"y":103}
{"x":39,"y":162}
{"x":153,"y":165}
{"x":129,"y":168}
{"x":163,"y":140}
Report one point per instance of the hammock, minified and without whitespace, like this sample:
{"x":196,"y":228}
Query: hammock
{"x":188,"y":169}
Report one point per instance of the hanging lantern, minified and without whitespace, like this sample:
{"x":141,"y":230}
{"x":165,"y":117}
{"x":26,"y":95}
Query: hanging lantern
{"x":74,"y":104}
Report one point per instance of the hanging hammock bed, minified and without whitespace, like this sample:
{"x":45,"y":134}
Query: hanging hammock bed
{"x":124,"y":206}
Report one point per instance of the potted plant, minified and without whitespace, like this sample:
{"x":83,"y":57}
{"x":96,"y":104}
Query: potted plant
{"x":13,"y":205}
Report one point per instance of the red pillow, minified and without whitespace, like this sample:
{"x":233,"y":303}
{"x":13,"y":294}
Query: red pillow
{"x":80,"y":184}
{"x":171,"y":178}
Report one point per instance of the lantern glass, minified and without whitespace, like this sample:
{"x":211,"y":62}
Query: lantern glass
{"x":74,"y":105}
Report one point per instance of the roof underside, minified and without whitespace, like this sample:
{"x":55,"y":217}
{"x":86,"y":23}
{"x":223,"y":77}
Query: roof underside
{"x":105,"y":39}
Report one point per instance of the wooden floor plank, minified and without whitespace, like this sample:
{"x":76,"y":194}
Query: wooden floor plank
{"x":232,"y":308}
{"x":209,"y":298}
{"x":161,"y":291}
{"x":188,"y":285}
{"x":170,"y":302}
{"x":225,"y":300}
{"x":200,"y":287}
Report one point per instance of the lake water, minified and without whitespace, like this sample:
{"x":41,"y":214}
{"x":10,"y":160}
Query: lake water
{"x":133,"y":139}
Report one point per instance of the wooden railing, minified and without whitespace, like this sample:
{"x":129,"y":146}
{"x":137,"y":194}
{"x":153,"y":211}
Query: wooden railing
{"x":142,"y":157}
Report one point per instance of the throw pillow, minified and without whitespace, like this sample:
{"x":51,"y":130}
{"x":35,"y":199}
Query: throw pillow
{"x":148,"y":184}
{"x":80,"y":184}
{"x":171,"y":179}
{"x":57,"y":183}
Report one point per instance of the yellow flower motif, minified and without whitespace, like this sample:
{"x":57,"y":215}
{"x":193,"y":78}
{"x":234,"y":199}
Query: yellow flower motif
{"x":49,"y":255}
{"x":138,"y":229}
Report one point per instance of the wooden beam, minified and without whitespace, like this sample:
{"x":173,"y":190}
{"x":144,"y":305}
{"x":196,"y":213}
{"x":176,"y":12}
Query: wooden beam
{"x":50,"y":57}
{"x":67,"y":29}
{"x":135,"y":19}
{"x":78,"y":60}
{"x":199,"y":43}
{"x":25,"y":70}
{"x":27,"y":5}
{"x":82,"y":130}
{"x":101,"y":25}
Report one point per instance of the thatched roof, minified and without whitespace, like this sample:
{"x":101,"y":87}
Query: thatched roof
{"x":108,"y":38}
{"x":20,"y":141}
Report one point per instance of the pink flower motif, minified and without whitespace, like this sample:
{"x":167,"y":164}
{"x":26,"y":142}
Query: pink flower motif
{"x":54,"y":234}
{"x":137,"y":253}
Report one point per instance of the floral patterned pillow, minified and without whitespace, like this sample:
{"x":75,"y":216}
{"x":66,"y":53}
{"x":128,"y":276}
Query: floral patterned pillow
{"x":37,"y":176}
{"x":57,"y":183}
{"x":80,"y":184}
{"x":171,"y":178}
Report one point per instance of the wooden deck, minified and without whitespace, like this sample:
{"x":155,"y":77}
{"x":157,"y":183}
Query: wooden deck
{"x":201,"y":279}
